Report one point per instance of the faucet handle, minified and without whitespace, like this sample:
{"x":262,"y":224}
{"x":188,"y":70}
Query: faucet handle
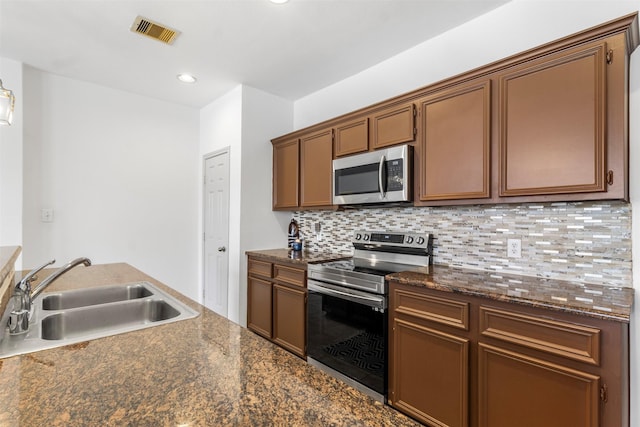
{"x":20,"y":313}
{"x":25,"y":283}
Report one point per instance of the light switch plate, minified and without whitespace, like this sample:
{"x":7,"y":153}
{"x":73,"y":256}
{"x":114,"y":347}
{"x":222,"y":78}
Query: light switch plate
{"x":46,"y":215}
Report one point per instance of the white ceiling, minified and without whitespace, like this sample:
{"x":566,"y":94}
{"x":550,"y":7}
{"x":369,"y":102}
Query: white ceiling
{"x":289,"y":50}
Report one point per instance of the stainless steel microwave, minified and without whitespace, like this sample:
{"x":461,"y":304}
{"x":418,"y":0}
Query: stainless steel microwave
{"x":381,"y":176}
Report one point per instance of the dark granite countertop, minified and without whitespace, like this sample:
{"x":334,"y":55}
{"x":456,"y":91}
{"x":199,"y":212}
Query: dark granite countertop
{"x":605,"y":302}
{"x":303,"y":257}
{"x":205,"y":371}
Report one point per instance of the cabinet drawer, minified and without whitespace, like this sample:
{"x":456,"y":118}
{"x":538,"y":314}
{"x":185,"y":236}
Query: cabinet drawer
{"x":292,"y":276}
{"x":564,"y":339}
{"x":439,"y":310}
{"x":259,"y":268}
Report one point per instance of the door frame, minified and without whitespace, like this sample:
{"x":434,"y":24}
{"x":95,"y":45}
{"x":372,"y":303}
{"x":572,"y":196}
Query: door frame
{"x":203,"y":196}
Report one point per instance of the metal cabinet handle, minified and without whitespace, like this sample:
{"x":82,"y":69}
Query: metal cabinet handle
{"x":222,"y":249}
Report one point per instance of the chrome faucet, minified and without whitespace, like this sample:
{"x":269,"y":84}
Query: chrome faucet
{"x":59,"y":272}
{"x":22,"y":299}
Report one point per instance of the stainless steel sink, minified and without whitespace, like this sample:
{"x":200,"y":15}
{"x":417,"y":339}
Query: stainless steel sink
{"x":69,"y":317}
{"x":93,"y":296}
{"x":104,"y":318}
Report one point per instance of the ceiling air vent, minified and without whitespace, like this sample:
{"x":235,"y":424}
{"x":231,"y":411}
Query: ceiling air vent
{"x":154,"y":30}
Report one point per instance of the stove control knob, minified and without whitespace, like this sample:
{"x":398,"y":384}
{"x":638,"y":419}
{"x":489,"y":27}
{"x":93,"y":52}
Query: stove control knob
{"x":409,"y":239}
{"x":358,"y":236}
{"x":420,"y":240}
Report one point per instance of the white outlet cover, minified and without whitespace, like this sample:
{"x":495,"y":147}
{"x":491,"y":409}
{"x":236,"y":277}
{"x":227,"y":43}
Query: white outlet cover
{"x":514,"y":248}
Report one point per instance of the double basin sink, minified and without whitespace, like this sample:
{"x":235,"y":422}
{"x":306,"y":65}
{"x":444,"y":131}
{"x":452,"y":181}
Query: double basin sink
{"x":69,"y":317}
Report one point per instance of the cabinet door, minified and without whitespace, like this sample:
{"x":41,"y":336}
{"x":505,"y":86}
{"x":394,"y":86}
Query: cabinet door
{"x":519,"y":390}
{"x":259,"y":306}
{"x":454,"y":145}
{"x":395,"y":125}
{"x":552,"y":124}
{"x":429,"y":374}
{"x":289,"y":318}
{"x":285,"y":175}
{"x":352,"y":137}
{"x":316,"y":157}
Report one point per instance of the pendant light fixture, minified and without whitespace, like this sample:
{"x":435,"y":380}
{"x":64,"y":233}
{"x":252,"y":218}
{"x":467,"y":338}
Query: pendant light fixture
{"x":7,"y":102}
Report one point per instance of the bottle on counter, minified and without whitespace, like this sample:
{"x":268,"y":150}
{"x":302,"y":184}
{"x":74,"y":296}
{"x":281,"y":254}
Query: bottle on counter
{"x":294,"y":232}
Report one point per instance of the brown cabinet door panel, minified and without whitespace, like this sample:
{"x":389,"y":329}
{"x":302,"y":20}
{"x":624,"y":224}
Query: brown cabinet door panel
{"x":455,"y":143}
{"x":352,"y":137}
{"x":316,"y":157}
{"x":259,"y":296}
{"x":429,"y":375}
{"x":553,"y":116}
{"x":285,"y":174}
{"x":289,"y":318}
{"x":519,"y":390}
{"x":395,"y":125}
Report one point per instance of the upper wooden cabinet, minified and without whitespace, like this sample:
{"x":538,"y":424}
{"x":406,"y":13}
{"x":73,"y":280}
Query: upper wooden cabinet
{"x":553,"y":124}
{"x":352,"y":137}
{"x":302,"y":171}
{"x":285,"y":174}
{"x":454,"y":146}
{"x":392,"y":126}
{"x":316,"y":157}
{"x":549,"y":124}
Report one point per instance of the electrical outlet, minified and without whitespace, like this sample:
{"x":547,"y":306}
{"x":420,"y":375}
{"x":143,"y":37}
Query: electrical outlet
{"x":514,"y":248}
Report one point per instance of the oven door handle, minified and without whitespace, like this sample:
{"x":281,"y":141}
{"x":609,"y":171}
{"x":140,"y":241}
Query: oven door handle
{"x":371,"y":301}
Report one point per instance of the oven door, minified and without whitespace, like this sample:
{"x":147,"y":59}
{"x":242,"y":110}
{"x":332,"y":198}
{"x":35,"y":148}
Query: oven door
{"x":347,"y":332}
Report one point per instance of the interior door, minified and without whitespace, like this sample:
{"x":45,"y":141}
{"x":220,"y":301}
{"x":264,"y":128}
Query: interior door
{"x":216,"y":231}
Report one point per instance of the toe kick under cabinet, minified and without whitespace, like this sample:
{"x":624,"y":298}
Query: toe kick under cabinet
{"x":458,"y":360}
{"x":276,"y":303}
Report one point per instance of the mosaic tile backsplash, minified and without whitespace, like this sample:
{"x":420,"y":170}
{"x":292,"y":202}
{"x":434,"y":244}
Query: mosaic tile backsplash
{"x":587,"y":242}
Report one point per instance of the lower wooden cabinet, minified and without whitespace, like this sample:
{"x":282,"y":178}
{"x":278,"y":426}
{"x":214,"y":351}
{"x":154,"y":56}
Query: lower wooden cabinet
{"x":277,"y":303}
{"x":436,"y":392}
{"x":289,"y":318}
{"x":517,"y":389}
{"x":259,"y":306}
{"x":457,"y":360}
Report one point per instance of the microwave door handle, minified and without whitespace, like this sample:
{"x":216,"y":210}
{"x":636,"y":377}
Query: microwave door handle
{"x":381,"y":177}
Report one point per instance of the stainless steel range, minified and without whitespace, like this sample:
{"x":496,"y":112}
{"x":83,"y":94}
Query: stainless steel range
{"x":347,"y":306}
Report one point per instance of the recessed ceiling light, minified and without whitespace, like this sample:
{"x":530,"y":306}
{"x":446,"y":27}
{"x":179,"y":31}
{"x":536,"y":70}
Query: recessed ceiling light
{"x":186,"y":78}
{"x":278,"y":1}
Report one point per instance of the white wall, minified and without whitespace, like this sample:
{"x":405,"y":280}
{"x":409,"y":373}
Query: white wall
{"x":220,"y":127}
{"x":515,"y":27}
{"x":245,"y":119}
{"x":510,"y":29}
{"x":118,"y":171}
{"x":11,"y":160}
{"x":264,"y":116}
